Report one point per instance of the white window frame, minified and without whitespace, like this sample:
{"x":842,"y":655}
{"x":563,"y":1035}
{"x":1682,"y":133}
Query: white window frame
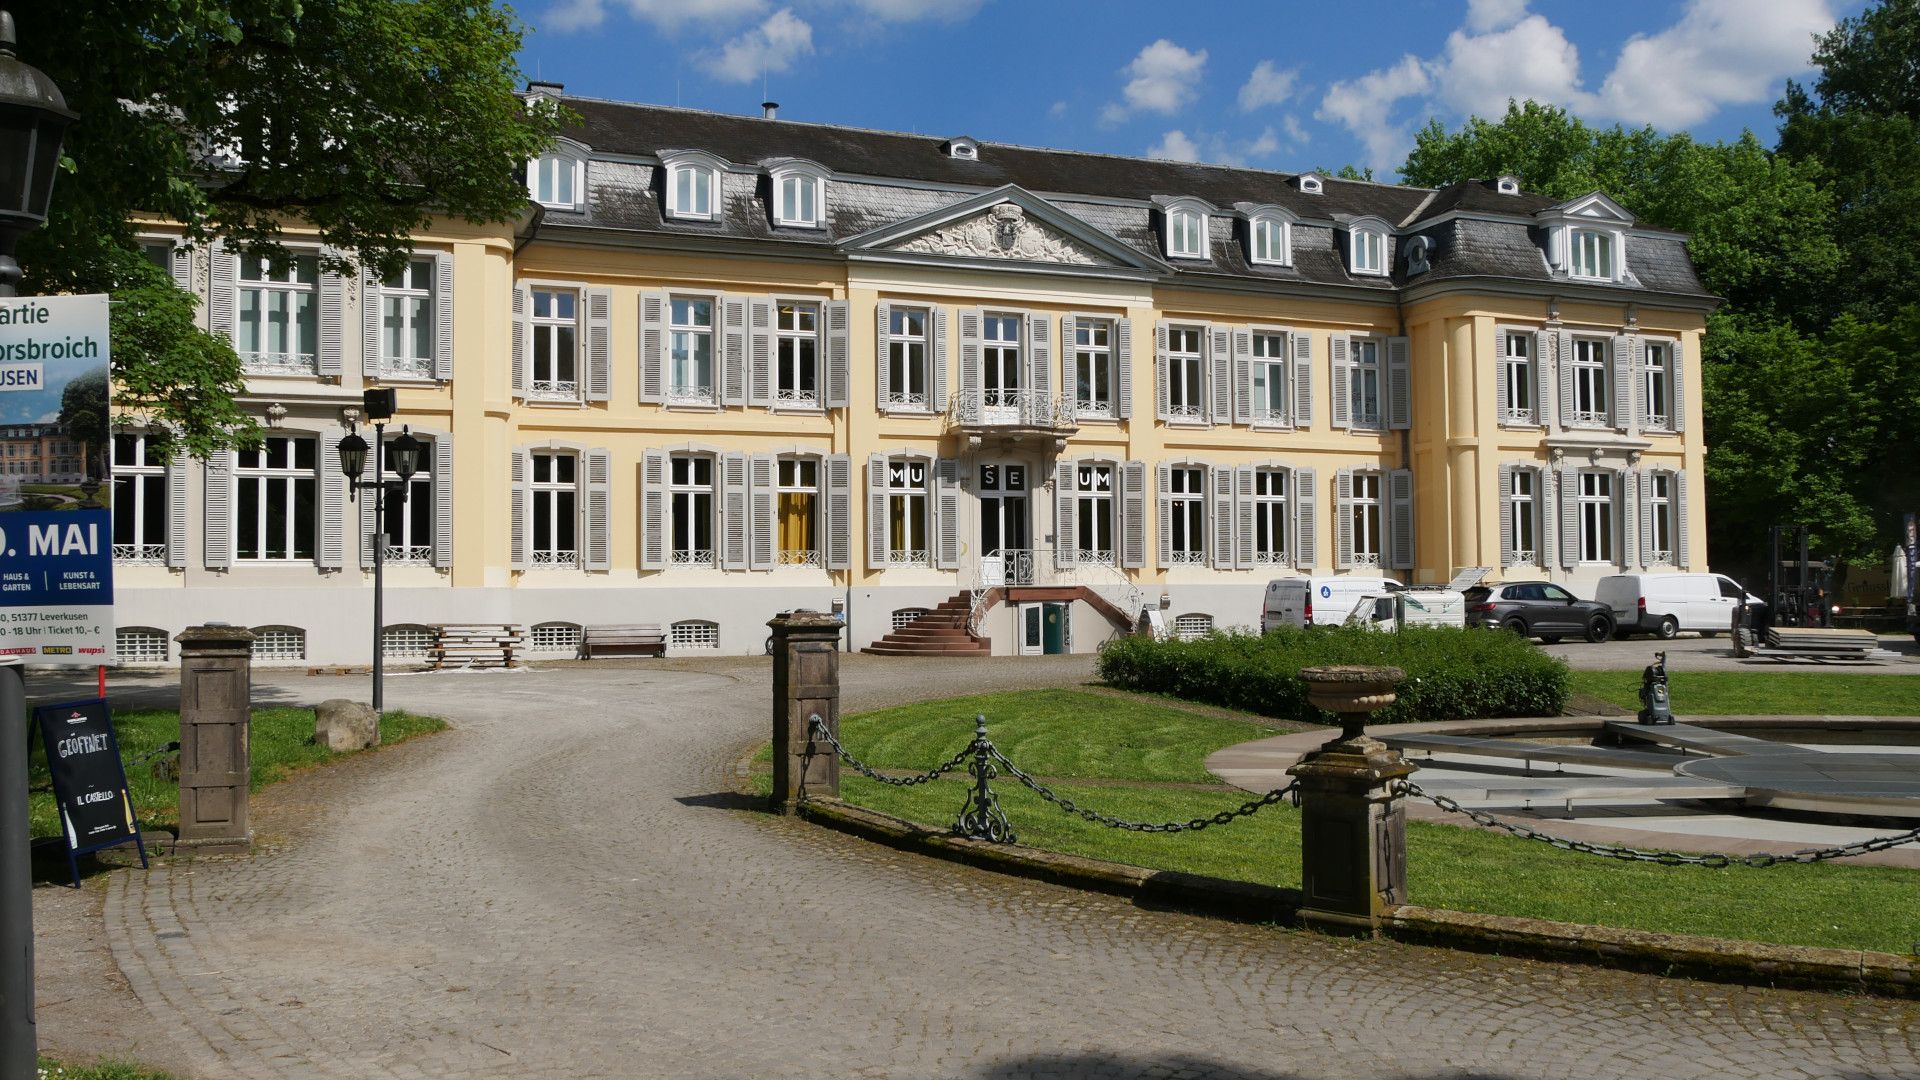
{"x":1367,"y":250}
{"x":279,"y":642}
{"x":555,"y":638}
{"x":550,"y":353}
{"x":685,"y":174}
{"x":1662,"y":529}
{"x":133,"y":507}
{"x":1272,"y":507}
{"x":1095,"y":511}
{"x":1367,"y":379}
{"x":553,"y":167}
{"x":140,"y":645}
{"x":902,"y":363}
{"x":1656,"y":384}
{"x":1369,"y":518}
{"x":409,"y":548}
{"x":1592,"y":376}
{"x":789,"y":350}
{"x":912,"y":507}
{"x":1187,"y":389}
{"x":1524,"y":510}
{"x":557,"y":514}
{"x":284,"y":481}
{"x":686,"y":511}
{"x":1269,"y":240}
{"x":1596,"y":512}
{"x":1186,"y":230}
{"x":1269,"y":376}
{"x":401,"y":303}
{"x":1192,"y":626}
{"x":809,"y":206}
{"x":1523,"y":384}
{"x":1095,"y":384}
{"x":1003,"y":359}
{"x":1187,"y":510}
{"x":286,"y":292}
{"x":790,"y":479}
{"x":1592,"y":254}
{"x":683,"y":335}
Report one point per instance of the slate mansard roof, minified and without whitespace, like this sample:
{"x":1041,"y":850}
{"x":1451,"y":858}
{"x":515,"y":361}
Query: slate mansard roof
{"x":883,"y":179}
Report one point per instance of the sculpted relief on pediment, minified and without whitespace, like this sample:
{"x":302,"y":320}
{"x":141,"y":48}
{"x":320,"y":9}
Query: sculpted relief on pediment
{"x":1004,"y":232}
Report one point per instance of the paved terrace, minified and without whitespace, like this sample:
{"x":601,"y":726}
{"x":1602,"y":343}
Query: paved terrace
{"x":566,"y":886}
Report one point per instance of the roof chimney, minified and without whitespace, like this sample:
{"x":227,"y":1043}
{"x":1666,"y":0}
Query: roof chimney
{"x":773,"y":109}
{"x":545,"y":89}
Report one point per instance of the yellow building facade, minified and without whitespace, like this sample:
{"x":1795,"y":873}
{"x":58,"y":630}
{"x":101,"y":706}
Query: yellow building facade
{"x":730,"y":366}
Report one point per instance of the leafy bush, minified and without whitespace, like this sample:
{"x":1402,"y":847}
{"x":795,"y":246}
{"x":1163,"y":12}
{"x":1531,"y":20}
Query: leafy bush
{"x":1452,"y":674}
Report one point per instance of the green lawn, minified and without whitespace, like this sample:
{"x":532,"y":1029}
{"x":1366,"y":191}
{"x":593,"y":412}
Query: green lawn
{"x":1784,"y":693}
{"x":105,"y":1070}
{"x":1828,"y":904}
{"x":281,"y":742}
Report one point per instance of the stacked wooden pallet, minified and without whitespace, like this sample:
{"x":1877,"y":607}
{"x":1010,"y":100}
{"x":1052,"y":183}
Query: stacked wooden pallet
{"x":1813,"y":643}
{"x":475,"y":645}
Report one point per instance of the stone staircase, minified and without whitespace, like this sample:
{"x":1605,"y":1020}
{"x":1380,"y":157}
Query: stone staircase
{"x":940,"y":632}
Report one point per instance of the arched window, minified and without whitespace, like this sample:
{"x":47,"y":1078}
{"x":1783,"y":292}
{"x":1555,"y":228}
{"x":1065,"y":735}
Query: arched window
{"x":408,"y":641}
{"x":905,"y":615}
{"x":140,"y":645}
{"x":279,"y":643}
{"x":799,"y":194}
{"x":1185,"y":223}
{"x":1189,"y":627}
{"x":557,"y":180}
{"x":692,"y":184}
{"x":1269,"y":239}
{"x":554,"y":639}
{"x":694,"y":634}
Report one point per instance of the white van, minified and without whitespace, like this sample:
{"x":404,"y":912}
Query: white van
{"x":1410,"y":607}
{"x":1323,"y":601}
{"x":1665,"y":604}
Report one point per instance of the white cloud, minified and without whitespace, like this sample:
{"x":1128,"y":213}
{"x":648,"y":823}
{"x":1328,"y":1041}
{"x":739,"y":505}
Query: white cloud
{"x":1365,"y":107}
{"x":1721,"y":52}
{"x":1267,"y":145}
{"x":1174,"y":146}
{"x":571,"y":15}
{"x":668,"y":15}
{"x":1164,"y":78}
{"x":1485,"y":15}
{"x":1531,"y":59}
{"x":1058,"y":110}
{"x":1214,"y":147}
{"x":1267,"y":86}
{"x":1291,"y":125}
{"x":771,"y":47}
{"x":916,"y":10}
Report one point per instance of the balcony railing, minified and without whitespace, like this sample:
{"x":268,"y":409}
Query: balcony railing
{"x":1092,"y":570}
{"x":279,"y":363}
{"x":693,"y":557}
{"x":409,"y":554}
{"x":554,"y":390}
{"x":405,"y":367}
{"x":795,"y":557}
{"x":556,"y":560}
{"x":148,"y":554}
{"x":1512,"y":415}
{"x":690,"y":394}
{"x":1017,"y":408}
{"x":797,"y":399}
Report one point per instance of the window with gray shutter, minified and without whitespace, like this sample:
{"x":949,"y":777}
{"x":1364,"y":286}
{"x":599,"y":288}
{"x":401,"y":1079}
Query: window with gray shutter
{"x":1507,"y":557}
{"x":1400,"y":509}
{"x":1224,"y":518}
{"x":1543,"y":346}
{"x":521,"y":306}
{"x":839,"y":518}
{"x":1242,"y":376}
{"x":1163,"y":512}
{"x":599,"y":510}
{"x":177,"y":510}
{"x":1683,"y":550}
{"x":1630,"y":518}
{"x":877,"y":512}
{"x":1220,"y":374}
{"x":333,"y":321}
{"x":1302,"y":380}
{"x":762,"y":536}
{"x":1569,"y":517}
{"x":223,"y":292}
{"x":333,"y":503}
{"x":1133,"y":513}
{"x":1245,"y":529}
{"x":1123,"y":367}
{"x":838,"y":371}
{"x":938,"y":320}
{"x":1677,"y":375}
{"x":653,"y":349}
{"x":443,"y":501}
{"x":1547,"y":516}
{"x":1066,"y":524}
{"x":733,"y":350}
{"x":443,"y":316}
{"x":1069,"y":334}
{"x":370,"y":531}
{"x":760,"y":352}
{"x":518,"y":538}
{"x":733,"y":511}
{"x":1306,"y":494}
{"x":180,"y":265}
{"x":1162,"y":403}
{"x":1040,"y":355}
{"x":946,"y":474}
{"x":372,"y":313}
{"x":883,"y":353}
{"x":1567,"y":406}
{"x":599,"y":344}
{"x":1623,"y":380}
{"x":653,"y":510}
{"x":970,"y":375}
{"x":1399,"y":384}
{"x":1342,"y":369}
{"x":1343,"y":519}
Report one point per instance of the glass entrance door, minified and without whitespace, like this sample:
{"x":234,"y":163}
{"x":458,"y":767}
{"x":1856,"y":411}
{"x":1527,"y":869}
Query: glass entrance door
{"x":1003,"y":519}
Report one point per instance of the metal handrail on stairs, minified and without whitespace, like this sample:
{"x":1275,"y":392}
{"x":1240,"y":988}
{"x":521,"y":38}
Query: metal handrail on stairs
{"x":1003,"y":567}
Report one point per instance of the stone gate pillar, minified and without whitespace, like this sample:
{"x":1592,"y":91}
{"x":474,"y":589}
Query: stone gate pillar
{"x":806,"y":683}
{"x":216,"y":698}
{"x":1353,"y":828}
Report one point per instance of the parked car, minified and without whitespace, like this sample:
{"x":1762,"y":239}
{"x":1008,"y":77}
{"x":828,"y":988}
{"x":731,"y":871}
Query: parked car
{"x":1538,"y":609}
{"x":1409,"y":607}
{"x":1322,"y":601}
{"x":1665,"y":604}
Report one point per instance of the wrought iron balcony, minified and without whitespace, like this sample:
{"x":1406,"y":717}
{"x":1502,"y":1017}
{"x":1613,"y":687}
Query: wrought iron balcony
{"x":1018,"y":413}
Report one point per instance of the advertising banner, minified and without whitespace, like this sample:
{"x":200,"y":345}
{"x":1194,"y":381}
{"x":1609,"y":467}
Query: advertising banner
{"x":89,"y":782}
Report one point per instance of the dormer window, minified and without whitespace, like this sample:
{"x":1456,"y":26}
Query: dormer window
{"x":1592,"y":254}
{"x":1367,"y":248}
{"x":1269,"y":238}
{"x":1507,"y":185}
{"x":963,"y":148}
{"x":1586,"y":238}
{"x":693,"y":184}
{"x":799,"y":195}
{"x":1186,"y":229}
{"x":557,"y":180}
{"x":1418,"y":250}
{"x":1309,"y":184}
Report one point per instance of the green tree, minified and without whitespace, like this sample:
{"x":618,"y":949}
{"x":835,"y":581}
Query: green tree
{"x":362,"y":118}
{"x":83,"y":411}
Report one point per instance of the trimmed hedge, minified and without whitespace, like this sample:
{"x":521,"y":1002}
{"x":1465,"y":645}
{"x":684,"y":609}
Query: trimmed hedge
{"x":1452,"y":673}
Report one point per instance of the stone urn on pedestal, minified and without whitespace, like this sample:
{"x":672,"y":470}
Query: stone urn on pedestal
{"x":1353,"y":830}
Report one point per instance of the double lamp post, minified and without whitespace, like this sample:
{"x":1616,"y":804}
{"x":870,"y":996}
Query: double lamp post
{"x":403,"y":457}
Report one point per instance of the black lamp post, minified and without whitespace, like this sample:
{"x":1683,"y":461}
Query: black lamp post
{"x":405,"y":457}
{"x":33,"y":119}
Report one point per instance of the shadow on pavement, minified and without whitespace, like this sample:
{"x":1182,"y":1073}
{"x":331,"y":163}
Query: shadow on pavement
{"x":1181,"y":1066}
{"x":724,"y":800}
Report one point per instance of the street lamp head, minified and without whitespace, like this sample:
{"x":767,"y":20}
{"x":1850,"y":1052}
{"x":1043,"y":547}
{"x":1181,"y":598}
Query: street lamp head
{"x":33,"y":121}
{"x":404,"y":452}
{"x":353,"y":455}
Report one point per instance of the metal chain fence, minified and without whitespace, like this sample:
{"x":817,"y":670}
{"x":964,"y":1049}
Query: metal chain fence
{"x":1665,"y":858}
{"x":819,"y":727}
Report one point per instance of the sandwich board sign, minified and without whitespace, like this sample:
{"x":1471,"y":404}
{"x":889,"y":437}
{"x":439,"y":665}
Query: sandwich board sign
{"x":89,"y":782}
{"x":56,"y":532}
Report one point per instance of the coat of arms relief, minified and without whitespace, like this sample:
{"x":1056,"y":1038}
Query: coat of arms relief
{"x":1004,"y":232}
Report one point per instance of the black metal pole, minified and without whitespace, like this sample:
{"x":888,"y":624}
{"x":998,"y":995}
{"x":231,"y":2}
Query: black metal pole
{"x":19,"y":1045}
{"x":379,"y":560}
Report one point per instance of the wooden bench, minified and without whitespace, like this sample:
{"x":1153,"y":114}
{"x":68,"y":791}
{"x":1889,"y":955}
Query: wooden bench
{"x":622,"y":641}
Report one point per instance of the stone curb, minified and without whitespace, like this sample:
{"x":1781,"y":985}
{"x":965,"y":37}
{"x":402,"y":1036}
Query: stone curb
{"x":1693,"y":956}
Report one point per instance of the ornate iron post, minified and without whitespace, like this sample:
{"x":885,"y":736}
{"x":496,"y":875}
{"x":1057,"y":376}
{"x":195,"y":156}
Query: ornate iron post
{"x":980,"y":816}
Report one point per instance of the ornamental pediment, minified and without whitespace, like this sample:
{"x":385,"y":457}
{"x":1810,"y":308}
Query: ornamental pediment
{"x":1007,"y":224}
{"x":1003,"y":231}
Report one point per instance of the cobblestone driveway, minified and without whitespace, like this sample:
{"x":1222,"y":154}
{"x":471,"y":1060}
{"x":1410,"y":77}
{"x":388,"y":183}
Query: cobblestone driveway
{"x":564,"y":886}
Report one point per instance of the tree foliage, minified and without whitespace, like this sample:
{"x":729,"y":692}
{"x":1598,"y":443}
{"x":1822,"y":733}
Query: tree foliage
{"x":362,"y":118}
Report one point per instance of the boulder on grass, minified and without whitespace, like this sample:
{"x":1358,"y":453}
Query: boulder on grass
{"x":343,"y":726}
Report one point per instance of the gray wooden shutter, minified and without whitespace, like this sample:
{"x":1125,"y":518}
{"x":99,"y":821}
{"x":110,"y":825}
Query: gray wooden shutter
{"x":838,"y":371}
{"x":520,"y":538}
{"x":372,"y":340}
{"x":1343,"y":518}
{"x":937,"y":320}
{"x":1123,"y":368}
{"x":876,"y":511}
{"x":1637,"y":350}
{"x":1302,"y":380}
{"x":1066,"y":520}
{"x":733,"y":367}
{"x":1243,"y":518}
{"x":333,"y":320}
{"x":653,"y":346}
{"x":839,"y":518}
{"x":970,"y":380}
{"x":1676,"y":381}
{"x":760,"y":374}
{"x":1162,"y":404}
{"x":1399,"y":384}
{"x":946,"y":494}
{"x":216,"y":535}
{"x":333,"y":501}
{"x":1506,"y":512}
{"x":733,"y":511}
{"x":1682,"y":549}
{"x":1400,"y":505}
{"x":371,"y":530}
{"x":1643,"y":541}
{"x":1223,"y":518}
{"x":522,"y":338}
{"x":762,"y":538}
{"x":1242,"y":376}
{"x":1542,"y":377}
{"x":1337,"y":362}
{"x":599,"y":510}
{"x":1306,"y":497}
{"x":1163,"y":511}
{"x":883,"y":371}
{"x":653,"y":510}
{"x":443,"y":501}
{"x":180,"y":265}
{"x":1133,"y":515}
{"x":1219,"y":374}
{"x":599,"y":344}
{"x":177,"y":509}
{"x":1500,"y":381}
{"x":1566,"y":377}
{"x":223,"y":292}
{"x":1040,"y":356}
{"x":1569,"y":517}
{"x":1634,"y":515}
{"x":1622,"y":383}
{"x":1069,"y":381}
{"x":1546,"y":516}
{"x":1622,"y":515}
{"x":443,"y":316}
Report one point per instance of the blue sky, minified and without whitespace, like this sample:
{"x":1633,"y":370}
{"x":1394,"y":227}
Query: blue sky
{"x":1282,"y":84}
